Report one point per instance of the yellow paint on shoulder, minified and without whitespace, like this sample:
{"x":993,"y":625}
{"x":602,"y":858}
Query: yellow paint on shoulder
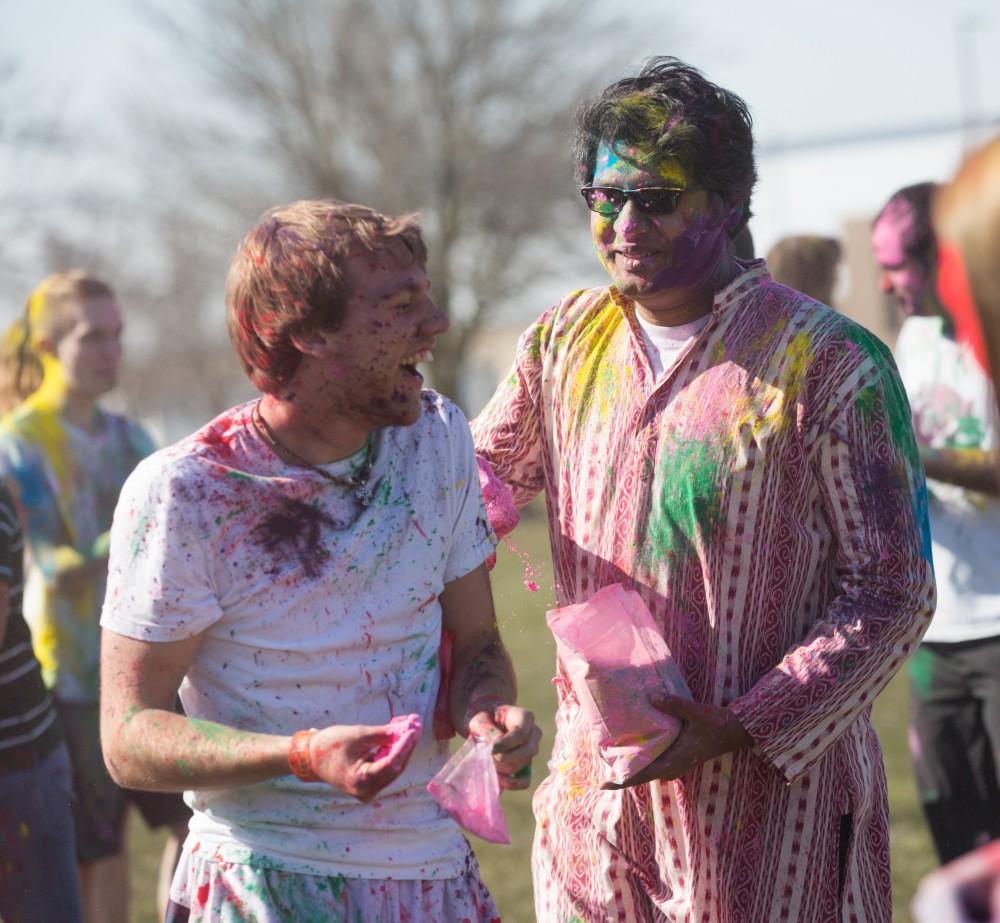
{"x":596,"y":378}
{"x":770,"y":410}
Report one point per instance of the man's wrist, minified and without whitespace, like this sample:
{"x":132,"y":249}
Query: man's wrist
{"x":299,"y":760}
{"x":739,"y":736}
{"x":487,"y":702}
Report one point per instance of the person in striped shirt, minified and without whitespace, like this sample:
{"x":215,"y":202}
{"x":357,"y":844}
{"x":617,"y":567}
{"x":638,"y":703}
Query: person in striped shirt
{"x":37,"y":862}
{"x":743,"y":457}
{"x":65,"y":458}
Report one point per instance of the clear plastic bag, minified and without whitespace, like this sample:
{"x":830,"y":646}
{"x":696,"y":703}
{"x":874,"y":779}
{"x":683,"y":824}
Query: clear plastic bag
{"x":468,"y":788}
{"x":615,"y":658}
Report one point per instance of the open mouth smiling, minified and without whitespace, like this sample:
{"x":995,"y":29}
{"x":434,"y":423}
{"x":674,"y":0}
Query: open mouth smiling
{"x":635,"y":258}
{"x":410,"y":363}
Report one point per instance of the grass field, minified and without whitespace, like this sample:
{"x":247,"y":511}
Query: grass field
{"x":506,"y":869}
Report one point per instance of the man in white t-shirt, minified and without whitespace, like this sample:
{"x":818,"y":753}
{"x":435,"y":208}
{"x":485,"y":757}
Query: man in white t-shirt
{"x":955,"y":673}
{"x":294,"y":566}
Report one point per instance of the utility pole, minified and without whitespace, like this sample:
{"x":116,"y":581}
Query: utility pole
{"x":967,"y":29}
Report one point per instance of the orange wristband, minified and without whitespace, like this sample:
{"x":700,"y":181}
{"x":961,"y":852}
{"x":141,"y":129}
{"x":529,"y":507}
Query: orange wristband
{"x":298,"y":756}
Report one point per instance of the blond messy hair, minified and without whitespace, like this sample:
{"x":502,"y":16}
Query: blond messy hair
{"x":288,"y":277}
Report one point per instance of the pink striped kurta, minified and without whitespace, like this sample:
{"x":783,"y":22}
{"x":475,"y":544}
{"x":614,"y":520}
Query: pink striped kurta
{"x":766,"y":500}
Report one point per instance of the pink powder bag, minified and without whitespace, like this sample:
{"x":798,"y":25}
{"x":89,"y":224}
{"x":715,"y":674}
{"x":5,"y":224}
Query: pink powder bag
{"x":498,"y":500}
{"x":468,"y":788}
{"x":615,"y":658}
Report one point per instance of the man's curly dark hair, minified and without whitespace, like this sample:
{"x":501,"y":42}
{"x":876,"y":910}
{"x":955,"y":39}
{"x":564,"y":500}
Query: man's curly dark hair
{"x":671,"y":110}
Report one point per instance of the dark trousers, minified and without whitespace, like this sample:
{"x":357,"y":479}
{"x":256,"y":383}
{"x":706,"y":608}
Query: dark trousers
{"x":955,"y":741}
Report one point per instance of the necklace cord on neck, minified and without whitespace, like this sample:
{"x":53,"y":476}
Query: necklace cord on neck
{"x":357,"y":482}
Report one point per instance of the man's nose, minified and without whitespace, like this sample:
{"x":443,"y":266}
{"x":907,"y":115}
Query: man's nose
{"x":436,"y":321}
{"x":885,"y":283}
{"x":630,"y":219}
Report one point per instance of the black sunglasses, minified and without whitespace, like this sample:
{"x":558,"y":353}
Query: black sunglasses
{"x":608,"y":201}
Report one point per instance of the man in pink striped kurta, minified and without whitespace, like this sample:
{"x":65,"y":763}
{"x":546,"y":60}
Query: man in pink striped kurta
{"x":741,"y":456}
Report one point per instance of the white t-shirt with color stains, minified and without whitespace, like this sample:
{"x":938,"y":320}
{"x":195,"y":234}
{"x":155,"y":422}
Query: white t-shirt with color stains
{"x":313,"y":611}
{"x":953,"y":407}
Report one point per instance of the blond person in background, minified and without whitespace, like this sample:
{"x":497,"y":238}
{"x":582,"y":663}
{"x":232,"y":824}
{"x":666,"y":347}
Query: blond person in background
{"x":65,"y":460}
{"x":808,"y":263}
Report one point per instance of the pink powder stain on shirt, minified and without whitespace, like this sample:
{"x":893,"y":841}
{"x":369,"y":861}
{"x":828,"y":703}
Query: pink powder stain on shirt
{"x":219,"y":439}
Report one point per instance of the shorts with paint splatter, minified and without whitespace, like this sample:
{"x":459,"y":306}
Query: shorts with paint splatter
{"x":204,"y":890}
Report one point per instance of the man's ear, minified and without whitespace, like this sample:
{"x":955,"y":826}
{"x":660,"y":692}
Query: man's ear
{"x":734,"y":217}
{"x":313,"y":342}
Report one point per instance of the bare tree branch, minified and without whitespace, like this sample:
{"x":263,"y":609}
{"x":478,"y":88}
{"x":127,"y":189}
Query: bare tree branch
{"x":459,"y":110}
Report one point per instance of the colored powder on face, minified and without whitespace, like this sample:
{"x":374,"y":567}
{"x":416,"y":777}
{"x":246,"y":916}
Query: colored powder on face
{"x":694,"y":254}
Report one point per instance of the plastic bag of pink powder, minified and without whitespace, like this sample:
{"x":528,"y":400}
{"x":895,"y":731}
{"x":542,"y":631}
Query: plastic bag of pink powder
{"x":468,"y":788}
{"x":615,"y":658}
{"x":499,"y":501}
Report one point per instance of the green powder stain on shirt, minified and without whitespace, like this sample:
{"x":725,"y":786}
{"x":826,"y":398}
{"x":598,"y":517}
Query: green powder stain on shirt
{"x":896,"y":405}
{"x":688,"y":504}
{"x":865,"y":401}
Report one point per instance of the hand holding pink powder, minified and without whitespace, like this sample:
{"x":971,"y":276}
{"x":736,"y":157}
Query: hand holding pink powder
{"x":500,"y":509}
{"x":616,"y":658}
{"x":362,"y":760}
